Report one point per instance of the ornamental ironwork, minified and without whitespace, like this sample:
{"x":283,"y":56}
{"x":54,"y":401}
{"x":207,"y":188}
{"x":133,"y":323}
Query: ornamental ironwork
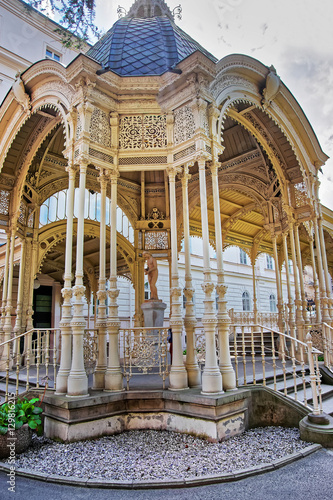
{"x":144,"y":350}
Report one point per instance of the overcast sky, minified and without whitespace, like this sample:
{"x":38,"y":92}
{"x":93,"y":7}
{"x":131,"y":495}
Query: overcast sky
{"x":296,"y":36}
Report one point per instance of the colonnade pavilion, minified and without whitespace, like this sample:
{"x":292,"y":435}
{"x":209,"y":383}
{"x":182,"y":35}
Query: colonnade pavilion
{"x":185,"y":145}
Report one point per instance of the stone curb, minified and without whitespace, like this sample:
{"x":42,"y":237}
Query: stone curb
{"x":154,"y":484}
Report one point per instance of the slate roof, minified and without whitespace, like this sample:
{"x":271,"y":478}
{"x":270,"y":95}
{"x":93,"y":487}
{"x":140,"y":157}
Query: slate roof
{"x":144,"y":47}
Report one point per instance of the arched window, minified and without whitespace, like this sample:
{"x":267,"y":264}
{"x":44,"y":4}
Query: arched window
{"x":272,"y":303}
{"x":55,"y":208}
{"x":246,"y":301}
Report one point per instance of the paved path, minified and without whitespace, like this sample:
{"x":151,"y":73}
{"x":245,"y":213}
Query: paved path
{"x":308,"y":479}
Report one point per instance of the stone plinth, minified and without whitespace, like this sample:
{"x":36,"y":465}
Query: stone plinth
{"x":153,"y":313}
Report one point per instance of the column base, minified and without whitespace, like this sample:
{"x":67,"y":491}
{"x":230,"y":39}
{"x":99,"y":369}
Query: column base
{"x":62,"y":382}
{"x":113,"y":381}
{"x":193,"y":375}
{"x":77,"y":385}
{"x":99,"y":380}
{"x":228,"y":379}
{"x":212,"y":382}
{"x":178,"y":379}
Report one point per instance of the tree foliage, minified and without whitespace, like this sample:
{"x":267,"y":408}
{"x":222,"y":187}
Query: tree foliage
{"x":76,"y":17}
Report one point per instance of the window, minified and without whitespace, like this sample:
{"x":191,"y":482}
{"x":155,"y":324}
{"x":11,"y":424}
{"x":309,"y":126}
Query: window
{"x":269,"y":262}
{"x":290,"y":266}
{"x":243,"y":256}
{"x":246,"y":301}
{"x":272,"y":303}
{"x":50,"y":54}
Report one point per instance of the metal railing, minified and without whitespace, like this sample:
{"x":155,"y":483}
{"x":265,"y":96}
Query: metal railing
{"x":33,"y":364}
{"x":143,"y":350}
{"x":259,"y":355}
{"x":267,"y":356}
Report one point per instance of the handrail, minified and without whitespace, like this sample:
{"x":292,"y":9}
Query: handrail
{"x":317,"y":351}
{"x":12,"y":339}
{"x":247,"y":347}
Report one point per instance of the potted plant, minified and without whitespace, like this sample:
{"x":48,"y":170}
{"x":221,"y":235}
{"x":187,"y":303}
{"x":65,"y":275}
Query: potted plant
{"x":17,"y":421}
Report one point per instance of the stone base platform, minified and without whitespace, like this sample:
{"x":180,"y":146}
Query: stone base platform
{"x":212,"y":417}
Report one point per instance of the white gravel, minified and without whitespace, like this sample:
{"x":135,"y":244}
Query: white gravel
{"x":147,"y":455}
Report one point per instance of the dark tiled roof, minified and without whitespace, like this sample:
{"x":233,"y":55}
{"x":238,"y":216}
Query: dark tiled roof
{"x":144,"y":46}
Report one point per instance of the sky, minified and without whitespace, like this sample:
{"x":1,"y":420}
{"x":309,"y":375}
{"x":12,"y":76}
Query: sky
{"x":295,"y":36}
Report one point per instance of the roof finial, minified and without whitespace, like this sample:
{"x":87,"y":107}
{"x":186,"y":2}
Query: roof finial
{"x":151,"y":8}
{"x":177,"y":12}
{"x":121,"y":12}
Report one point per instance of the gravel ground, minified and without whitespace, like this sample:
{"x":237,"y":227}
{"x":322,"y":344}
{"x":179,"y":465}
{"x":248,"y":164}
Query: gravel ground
{"x":143,"y":455}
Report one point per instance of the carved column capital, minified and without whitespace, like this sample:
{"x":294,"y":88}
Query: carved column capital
{"x":172,"y":171}
{"x":201,"y":157}
{"x":208,"y":288}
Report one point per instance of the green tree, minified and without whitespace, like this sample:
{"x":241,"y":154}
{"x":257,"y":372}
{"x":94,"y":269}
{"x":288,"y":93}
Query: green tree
{"x":76,"y":17}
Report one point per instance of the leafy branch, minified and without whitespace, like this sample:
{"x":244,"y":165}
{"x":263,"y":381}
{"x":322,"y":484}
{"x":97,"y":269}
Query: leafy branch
{"x":76,"y":19}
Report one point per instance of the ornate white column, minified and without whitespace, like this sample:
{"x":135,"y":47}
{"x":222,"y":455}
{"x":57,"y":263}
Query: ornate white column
{"x":301,"y":279}
{"x":18,"y":320}
{"x":291,"y":315}
{"x":99,"y":374}
{"x":298,"y":302}
{"x":278,"y":285}
{"x":192,"y":367}
{"x":223,"y":320}
{"x":7,"y":328}
{"x":254,"y":286}
{"x":178,"y":375}
{"x":66,"y":309}
{"x":323,"y":297}
{"x":315,"y":282}
{"x":211,"y":377}
{"x":113,"y":374}
{"x":5,"y":284}
{"x":325,"y":266}
{"x":325,"y":285}
{"x":77,"y":379}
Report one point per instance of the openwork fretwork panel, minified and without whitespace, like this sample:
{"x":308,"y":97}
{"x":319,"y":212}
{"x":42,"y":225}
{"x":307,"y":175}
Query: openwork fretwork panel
{"x":184,"y":126}
{"x":4,"y":201}
{"x":184,"y":153}
{"x":144,"y":350}
{"x":143,"y":160}
{"x":100,"y":156}
{"x":78,"y":127}
{"x":23,"y":213}
{"x":156,"y":240}
{"x":142,"y":132}
{"x":100,"y":130}
{"x":301,"y":196}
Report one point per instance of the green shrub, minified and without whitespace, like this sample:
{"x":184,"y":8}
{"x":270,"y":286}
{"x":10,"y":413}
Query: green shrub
{"x":25,"y":412}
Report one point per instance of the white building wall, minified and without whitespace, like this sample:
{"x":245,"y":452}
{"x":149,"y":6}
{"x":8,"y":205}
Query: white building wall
{"x":24,"y":36}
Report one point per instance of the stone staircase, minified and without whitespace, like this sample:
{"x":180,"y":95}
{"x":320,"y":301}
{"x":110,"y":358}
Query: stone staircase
{"x":246,"y":340}
{"x":326,"y":389}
